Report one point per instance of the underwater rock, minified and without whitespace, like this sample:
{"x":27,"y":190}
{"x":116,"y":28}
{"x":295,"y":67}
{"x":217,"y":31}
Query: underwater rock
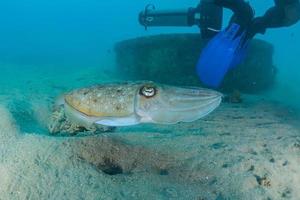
{"x":233,"y":97}
{"x":263,"y":181}
{"x":171,"y":59}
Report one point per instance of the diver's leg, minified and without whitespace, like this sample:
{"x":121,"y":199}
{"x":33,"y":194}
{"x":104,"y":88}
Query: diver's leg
{"x":211,"y":18}
{"x":284,"y":13}
{"x":243,"y":12}
{"x":292,"y":12}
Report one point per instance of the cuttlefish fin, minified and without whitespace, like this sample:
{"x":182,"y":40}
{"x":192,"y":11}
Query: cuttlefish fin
{"x":119,"y":121}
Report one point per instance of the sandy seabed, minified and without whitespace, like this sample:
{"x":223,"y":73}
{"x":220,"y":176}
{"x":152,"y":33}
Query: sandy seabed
{"x":240,"y":151}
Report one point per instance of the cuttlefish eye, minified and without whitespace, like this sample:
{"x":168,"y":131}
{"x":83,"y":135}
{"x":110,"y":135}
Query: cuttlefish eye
{"x":148,"y":91}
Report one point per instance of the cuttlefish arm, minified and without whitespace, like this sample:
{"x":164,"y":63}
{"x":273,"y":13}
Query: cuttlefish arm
{"x":135,"y":103}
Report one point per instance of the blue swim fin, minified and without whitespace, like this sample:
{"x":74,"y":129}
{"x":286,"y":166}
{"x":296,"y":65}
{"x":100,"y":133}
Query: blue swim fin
{"x":223,"y":52}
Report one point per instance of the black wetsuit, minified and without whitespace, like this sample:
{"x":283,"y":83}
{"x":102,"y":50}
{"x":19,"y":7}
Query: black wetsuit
{"x":284,"y":13}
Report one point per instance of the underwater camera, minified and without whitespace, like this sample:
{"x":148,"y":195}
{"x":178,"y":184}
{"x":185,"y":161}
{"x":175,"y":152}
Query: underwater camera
{"x":207,"y":16}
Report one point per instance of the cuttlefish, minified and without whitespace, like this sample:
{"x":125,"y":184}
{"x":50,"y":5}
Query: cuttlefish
{"x":125,"y":104}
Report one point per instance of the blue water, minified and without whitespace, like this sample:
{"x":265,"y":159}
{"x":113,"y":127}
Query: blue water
{"x":82,"y":33}
{"x":66,"y":32}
